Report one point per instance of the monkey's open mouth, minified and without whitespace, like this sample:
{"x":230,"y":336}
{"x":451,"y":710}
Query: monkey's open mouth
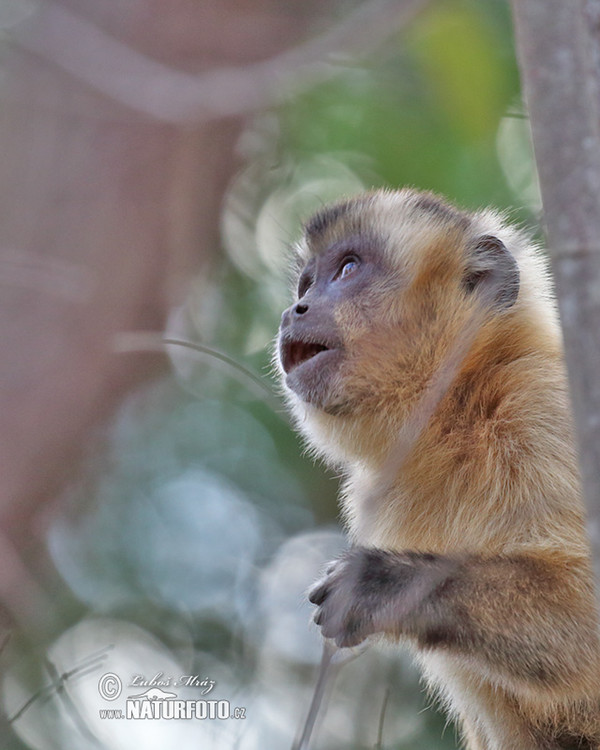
{"x":294,"y":353}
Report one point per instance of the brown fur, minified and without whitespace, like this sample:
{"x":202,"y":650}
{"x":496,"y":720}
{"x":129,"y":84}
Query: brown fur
{"x":492,"y":478}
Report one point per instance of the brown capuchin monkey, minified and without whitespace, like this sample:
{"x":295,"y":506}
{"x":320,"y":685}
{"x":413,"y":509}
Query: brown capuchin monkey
{"x":472,"y":546}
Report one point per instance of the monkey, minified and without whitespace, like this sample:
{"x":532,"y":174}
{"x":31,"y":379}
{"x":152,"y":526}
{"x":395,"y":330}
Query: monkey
{"x":472,"y":549}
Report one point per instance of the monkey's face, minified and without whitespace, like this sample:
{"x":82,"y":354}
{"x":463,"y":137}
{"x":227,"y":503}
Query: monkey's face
{"x":388,"y":285}
{"x":313,"y":347}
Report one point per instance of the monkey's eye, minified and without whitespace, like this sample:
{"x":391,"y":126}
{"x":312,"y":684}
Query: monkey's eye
{"x":349,"y":266}
{"x":304,"y":285}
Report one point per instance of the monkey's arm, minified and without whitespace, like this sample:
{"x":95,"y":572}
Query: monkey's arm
{"x":526,"y":617}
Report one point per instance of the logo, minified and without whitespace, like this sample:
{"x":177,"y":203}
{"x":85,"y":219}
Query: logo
{"x":158,"y":703}
{"x":110,"y":686}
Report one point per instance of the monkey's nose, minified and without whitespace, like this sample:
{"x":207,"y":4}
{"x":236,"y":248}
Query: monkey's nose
{"x":292,"y":312}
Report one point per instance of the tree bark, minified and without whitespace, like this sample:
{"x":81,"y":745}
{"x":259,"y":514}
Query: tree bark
{"x":557,"y":45}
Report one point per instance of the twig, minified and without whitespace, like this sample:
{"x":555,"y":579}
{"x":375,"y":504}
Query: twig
{"x":436,"y":389}
{"x":89,"y":664}
{"x":332,"y":660}
{"x":386,"y":697}
{"x":148,"y":341}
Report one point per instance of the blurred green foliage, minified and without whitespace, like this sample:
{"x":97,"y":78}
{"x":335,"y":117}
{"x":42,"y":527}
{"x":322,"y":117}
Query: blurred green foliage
{"x":427,"y":113}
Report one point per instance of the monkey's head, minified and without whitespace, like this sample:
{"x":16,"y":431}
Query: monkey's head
{"x":387,"y":282}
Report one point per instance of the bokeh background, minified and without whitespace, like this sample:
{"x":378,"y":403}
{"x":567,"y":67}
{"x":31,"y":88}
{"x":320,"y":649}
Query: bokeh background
{"x":159,"y":515}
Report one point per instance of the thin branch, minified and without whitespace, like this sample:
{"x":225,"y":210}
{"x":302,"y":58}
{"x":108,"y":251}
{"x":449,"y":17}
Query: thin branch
{"x":386,"y":697}
{"x":332,"y":660}
{"x":149,"y":341}
{"x":421,"y":414}
{"x":140,"y":83}
{"x":88,"y":665}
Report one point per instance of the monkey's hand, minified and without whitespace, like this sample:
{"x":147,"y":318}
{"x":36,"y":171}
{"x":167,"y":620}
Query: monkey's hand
{"x":527,"y":618}
{"x":368,"y":591}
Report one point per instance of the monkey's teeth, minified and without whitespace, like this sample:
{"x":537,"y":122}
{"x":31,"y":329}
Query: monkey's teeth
{"x":299,"y":352}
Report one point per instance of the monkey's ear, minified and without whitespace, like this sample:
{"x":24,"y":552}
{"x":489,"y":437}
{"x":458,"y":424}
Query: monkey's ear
{"x":493,"y":271}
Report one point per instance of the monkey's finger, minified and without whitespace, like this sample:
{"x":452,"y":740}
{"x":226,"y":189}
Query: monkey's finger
{"x":318,"y":593}
{"x":331,"y":627}
{"x":350,"y":636}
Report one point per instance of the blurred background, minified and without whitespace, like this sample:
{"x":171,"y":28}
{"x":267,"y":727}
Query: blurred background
{"x":158,"y":515}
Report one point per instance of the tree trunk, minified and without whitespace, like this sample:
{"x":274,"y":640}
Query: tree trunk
{"x":558,"y":44}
